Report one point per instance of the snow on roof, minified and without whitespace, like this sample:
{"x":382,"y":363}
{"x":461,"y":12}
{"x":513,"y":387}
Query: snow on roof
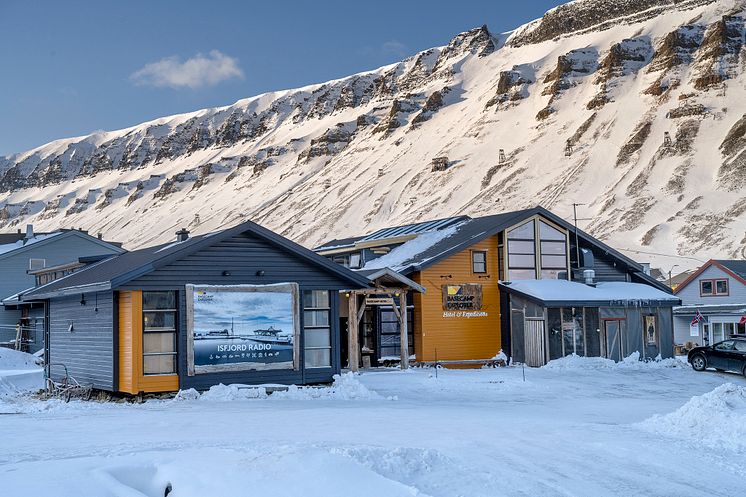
{"x":23,"y":243}
{"x":563,"y":290}
{"x":409,"y":250}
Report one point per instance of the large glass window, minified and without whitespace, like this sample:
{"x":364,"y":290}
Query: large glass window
{"x":159,"y":332}
{"x":316,"y":329}
{"x":522,"y":252}
{"x":526,"y":253}
{"x":553,"y":248}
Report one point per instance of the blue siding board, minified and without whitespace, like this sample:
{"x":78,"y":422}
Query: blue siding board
{"x":88,"y":350}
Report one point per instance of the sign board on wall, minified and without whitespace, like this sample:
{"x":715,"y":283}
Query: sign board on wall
{"x":694,"y":330}
{"x":242,"y":327}
{"x":465,"y":297}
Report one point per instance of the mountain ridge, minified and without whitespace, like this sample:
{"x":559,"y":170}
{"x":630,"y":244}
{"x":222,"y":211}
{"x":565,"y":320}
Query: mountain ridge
{"x":641,"y":115}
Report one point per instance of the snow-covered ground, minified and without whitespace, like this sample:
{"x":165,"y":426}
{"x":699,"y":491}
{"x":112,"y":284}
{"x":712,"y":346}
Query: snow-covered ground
{"x":577,"y":427}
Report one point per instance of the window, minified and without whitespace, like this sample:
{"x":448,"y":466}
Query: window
{"x":37,"y":264}
{"x":741,"y":346}
{"x":526,"y":254}
{"x":710,"y":288}
{"x":316,"y":329}
{"x":728,"y":345}
{"x":159,"y":332}
{"x":342,"y":260}
{"x":553,"y":249}
{"x":479,"y":261}
{"x":522,"y":252}
{"x":356,"y":260}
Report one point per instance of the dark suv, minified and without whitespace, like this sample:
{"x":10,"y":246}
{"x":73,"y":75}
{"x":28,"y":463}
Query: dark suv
{"x":728,"y":355}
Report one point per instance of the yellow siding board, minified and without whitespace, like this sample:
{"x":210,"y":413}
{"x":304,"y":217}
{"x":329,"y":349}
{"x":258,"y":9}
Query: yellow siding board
{"x":458,"y":338}
{"x":131,"y":378}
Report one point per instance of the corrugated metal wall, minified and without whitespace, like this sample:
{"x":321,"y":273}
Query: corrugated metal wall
{"x":88,"y":350}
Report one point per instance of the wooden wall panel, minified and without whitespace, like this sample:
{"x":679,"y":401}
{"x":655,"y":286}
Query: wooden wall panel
{"x":458,"y":338}
{"x":131,"y":378}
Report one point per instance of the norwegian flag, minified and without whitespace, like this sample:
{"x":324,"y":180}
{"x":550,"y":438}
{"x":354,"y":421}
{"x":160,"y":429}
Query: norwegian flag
{"x":743,"y":320}
{"x":698,"y":318}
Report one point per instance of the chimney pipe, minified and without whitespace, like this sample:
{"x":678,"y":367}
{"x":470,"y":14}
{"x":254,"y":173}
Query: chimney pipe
{"x":182,"y":235}
{"x":100,"y":236}
{"x":29,"y":231}
{"x":589,"y":275}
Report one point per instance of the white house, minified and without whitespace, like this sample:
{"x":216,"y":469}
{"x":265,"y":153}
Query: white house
{"x":717,"y":293}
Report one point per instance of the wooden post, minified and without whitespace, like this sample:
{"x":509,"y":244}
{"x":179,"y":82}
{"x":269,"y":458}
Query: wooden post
{"x":352,"y":333}
{"x":404,"y":333}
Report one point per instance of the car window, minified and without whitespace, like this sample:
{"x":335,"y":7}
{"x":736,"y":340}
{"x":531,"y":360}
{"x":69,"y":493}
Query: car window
{"x":741,"y":346}
{"x":727,"y":345}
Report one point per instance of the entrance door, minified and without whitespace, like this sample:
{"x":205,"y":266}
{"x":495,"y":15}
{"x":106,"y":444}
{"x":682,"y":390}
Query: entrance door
{"x":613,"y":339}
{"x":534,"y":342}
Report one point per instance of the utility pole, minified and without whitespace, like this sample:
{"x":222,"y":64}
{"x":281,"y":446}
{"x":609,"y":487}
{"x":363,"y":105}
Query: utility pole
{"x":670,"y":285}
{"x":577,"y":245}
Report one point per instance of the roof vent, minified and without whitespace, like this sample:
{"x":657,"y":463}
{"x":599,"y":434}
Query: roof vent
{"x":182,"y":235}
{"x":589,"y":275}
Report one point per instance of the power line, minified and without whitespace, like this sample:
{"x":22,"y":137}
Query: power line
{"x":662,"y":255}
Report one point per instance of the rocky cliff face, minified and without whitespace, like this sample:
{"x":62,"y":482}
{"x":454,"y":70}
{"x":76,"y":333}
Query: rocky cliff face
{"x":634,"y":108}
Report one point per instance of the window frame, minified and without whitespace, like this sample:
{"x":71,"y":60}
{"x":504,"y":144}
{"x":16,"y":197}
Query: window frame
{"x":714,"y":283}
{"x":328,"y":327}
{"x":538,"y":268}
{"x":474,"y":263}
{"x":174,"y":332}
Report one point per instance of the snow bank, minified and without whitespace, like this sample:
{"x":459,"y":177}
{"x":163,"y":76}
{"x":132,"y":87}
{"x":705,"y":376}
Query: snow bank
{"x":631,"y":362}
{"x":12,"y":359}
{"x":716,"y":419}
{"x":345,"y":387}
{"x":19,"y":373}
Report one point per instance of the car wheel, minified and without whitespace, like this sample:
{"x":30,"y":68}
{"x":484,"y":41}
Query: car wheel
{"x":699,"y":363}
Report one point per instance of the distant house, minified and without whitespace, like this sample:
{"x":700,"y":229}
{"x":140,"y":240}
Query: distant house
{"x":28,"y":258}
{"x":713,"y":303}
{"x":525,"y":282}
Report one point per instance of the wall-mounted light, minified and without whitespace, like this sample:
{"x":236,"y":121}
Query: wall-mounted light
{"x":82,"y":299}
{"x":347,"y":294}
{"x":260,"y":272}
{"x":226,"y":273}
{"x":70,"y":327}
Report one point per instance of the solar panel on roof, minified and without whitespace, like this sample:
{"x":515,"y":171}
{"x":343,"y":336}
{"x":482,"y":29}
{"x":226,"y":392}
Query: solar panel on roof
{"x":414,"y":229}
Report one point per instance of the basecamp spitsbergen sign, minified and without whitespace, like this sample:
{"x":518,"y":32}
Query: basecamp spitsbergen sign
{"x":242,"y":327}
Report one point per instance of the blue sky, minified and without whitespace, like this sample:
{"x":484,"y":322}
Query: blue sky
{"x":73,"y":67}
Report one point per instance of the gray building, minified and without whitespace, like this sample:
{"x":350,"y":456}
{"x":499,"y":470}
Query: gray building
{"x":713,"y":303}
{"x":241,"y":305}
{"x":25,"y":257}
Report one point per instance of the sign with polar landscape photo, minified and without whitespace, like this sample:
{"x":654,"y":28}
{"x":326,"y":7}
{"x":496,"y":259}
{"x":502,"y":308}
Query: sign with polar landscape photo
{"x":242,"y":327}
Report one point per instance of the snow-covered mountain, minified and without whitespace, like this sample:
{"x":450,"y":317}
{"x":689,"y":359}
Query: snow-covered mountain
{"x":635,"y":108}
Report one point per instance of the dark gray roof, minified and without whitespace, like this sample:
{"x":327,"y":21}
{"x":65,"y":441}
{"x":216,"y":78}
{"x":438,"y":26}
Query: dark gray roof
{"x":340,"y":242}
{"x":473,"y":230}
{"x":736,"y":266}
{"x":118,"y":270}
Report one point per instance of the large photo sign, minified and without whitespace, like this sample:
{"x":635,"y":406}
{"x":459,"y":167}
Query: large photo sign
{"x":242,"y":327}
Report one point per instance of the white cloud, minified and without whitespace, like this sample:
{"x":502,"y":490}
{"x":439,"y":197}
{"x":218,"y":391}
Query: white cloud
{"x":394,"y":47}
{"x":195,"y":72}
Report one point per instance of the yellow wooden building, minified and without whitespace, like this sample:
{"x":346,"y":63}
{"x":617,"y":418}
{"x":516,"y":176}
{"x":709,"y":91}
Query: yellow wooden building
{"x":462,"y":264}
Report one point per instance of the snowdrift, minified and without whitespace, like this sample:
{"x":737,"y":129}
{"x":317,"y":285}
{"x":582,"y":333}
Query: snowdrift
{"x":19,"y":372}
{"x":345,"y":387}
{"x":631,"y":362}
{"x":716,"y":419}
